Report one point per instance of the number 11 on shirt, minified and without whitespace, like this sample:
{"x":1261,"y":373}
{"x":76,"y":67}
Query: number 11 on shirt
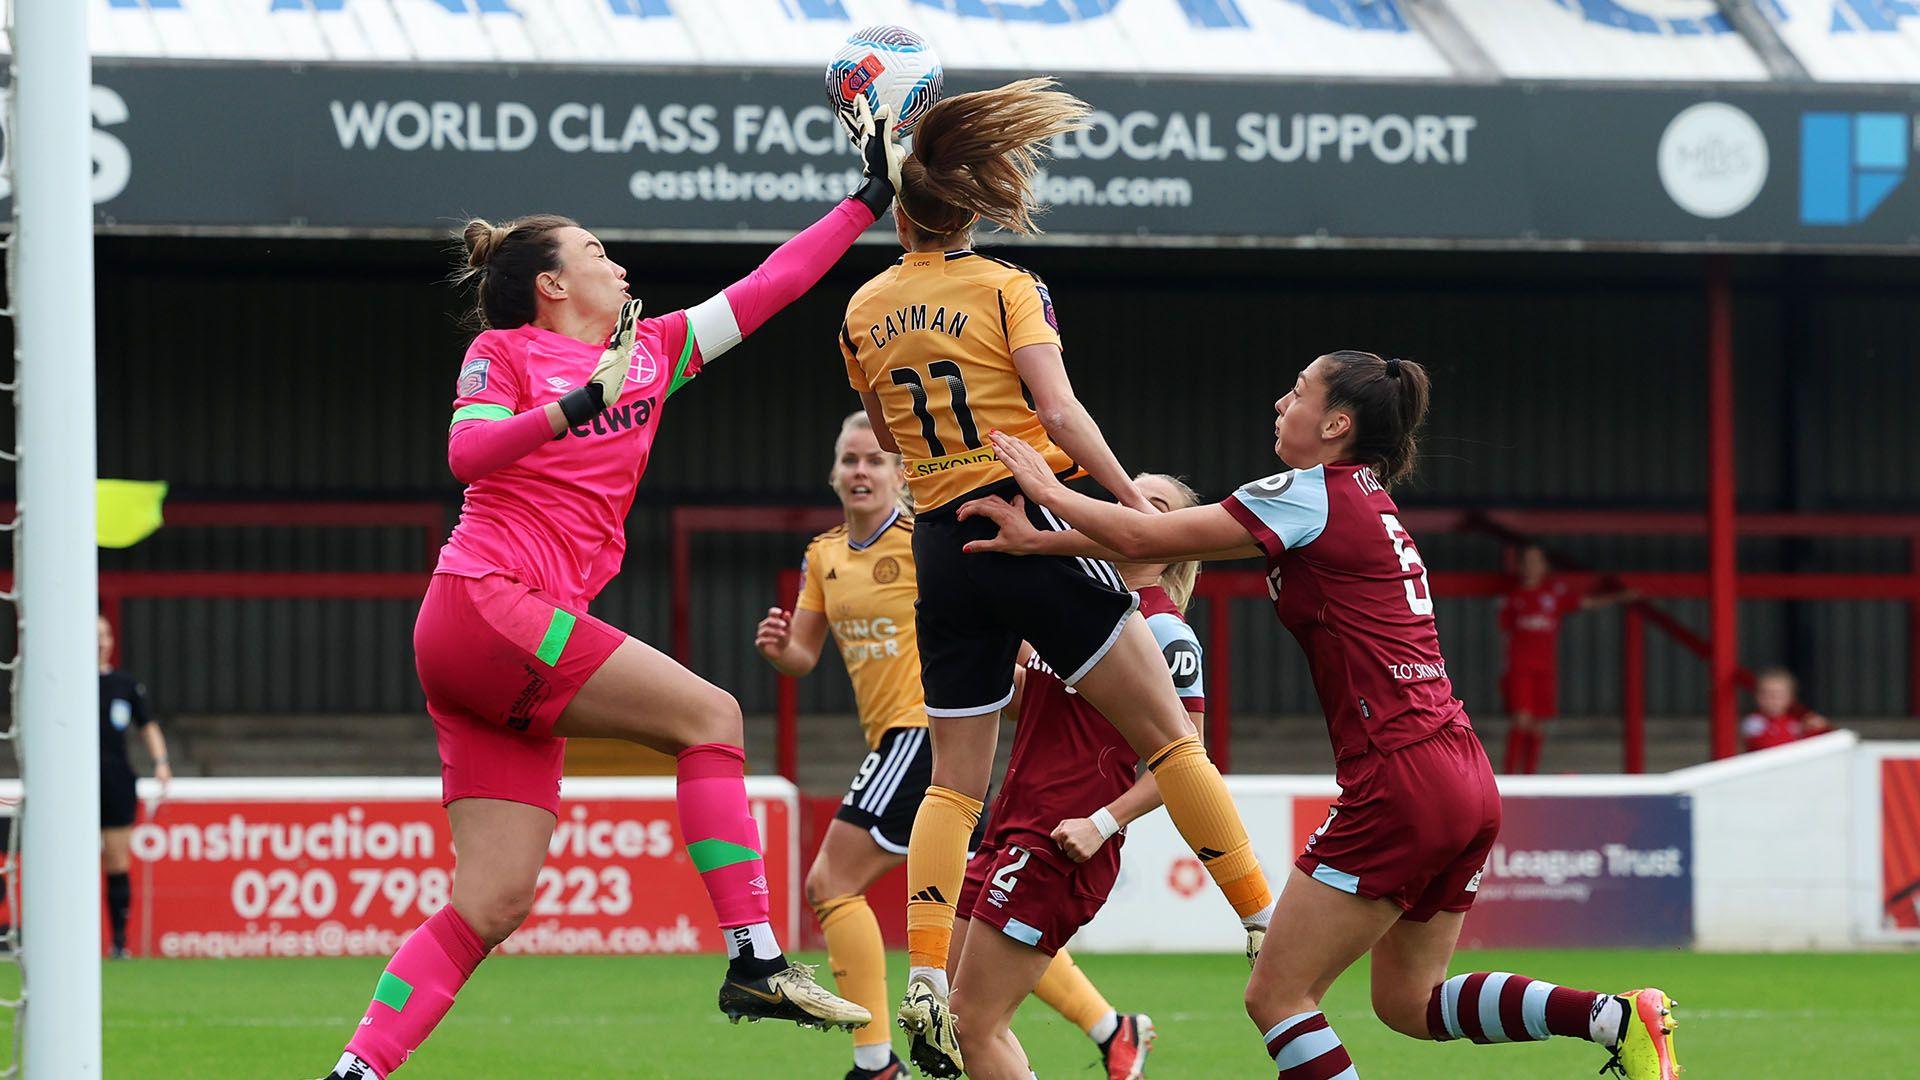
{"x":948,"y":372}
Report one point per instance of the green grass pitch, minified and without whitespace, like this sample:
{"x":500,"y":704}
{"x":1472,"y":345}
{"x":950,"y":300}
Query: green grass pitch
{"x":1742,"y":1016}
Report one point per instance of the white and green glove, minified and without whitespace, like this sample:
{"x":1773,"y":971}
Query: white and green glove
{"x":609,"y":378}
{"x":881,"y":156}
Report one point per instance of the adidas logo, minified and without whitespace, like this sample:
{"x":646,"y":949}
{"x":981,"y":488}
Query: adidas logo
{"x":929,"y":895}
{"x":833,"y":575}
{"x":1208,"y":854}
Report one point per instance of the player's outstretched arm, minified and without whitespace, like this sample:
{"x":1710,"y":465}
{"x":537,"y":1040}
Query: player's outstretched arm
{"x":723,"y":321}
{"x":1197,"y":532}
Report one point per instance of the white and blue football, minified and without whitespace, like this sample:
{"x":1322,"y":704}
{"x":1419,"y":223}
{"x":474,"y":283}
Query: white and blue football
{"x":889,"y":66}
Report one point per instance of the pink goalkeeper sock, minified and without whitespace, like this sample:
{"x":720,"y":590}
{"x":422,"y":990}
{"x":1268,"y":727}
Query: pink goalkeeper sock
{"x":417,"y":989}
{"x":720,"y":834}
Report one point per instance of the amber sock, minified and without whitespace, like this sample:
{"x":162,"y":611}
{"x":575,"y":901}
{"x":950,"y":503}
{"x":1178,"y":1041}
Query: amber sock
{"x":858,"y":957}
{"x":1201,"y":809}
{"x":936,"y":866}
{"x":1067,"y":991}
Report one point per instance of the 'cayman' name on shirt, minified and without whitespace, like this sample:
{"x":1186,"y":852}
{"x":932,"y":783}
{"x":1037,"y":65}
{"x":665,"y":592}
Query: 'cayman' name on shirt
{"x":914,"y":317}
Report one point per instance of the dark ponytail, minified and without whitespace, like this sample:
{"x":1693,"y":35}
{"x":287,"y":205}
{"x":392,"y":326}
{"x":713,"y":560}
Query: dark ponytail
{"x":1387,"y":400}
{"x":501,"y":261}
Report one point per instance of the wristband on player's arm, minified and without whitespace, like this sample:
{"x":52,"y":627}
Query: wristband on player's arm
{"x":1104,"y":821}
{"x":580,"y":405}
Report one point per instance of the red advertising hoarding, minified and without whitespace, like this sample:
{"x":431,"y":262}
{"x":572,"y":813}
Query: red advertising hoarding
{"x":1900,"y":843}
{"x":340,"y":875}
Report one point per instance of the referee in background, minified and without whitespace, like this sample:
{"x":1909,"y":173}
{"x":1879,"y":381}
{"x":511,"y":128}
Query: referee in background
{"x":123,"y":705}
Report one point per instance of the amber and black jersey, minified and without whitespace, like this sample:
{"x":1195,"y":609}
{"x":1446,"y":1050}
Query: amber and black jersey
{"x":934,"y":335}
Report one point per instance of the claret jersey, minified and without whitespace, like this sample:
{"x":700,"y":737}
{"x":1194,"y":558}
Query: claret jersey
{"x":934,"y":336}
{"x":1068,"y":760}
{"x":1348,"y":582}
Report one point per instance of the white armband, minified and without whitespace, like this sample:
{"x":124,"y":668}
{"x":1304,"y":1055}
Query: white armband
{"x":1103,"y":820}
{"x":713,"y":326}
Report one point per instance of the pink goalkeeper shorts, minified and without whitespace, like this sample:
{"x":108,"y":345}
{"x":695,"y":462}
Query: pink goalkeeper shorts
{"x":500,"y":662}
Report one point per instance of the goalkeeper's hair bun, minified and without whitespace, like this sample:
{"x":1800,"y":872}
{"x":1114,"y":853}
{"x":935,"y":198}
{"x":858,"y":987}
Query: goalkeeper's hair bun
{"x":501,"y":262}
{"x":483,"y":238}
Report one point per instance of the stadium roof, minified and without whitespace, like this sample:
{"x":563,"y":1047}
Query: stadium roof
{"x":1680,"y":40}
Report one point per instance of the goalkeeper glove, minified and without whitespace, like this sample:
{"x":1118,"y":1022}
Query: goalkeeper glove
{"x":880,"y":156}
{"x":609,"y":378}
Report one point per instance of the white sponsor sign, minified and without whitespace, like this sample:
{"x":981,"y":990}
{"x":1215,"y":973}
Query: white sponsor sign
{"x":1165,"y":902}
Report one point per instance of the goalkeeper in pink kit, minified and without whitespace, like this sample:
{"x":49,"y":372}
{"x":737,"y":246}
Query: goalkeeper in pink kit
{"x":556,"y":409}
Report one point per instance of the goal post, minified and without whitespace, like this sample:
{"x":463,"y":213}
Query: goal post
{"x":57,"y":704}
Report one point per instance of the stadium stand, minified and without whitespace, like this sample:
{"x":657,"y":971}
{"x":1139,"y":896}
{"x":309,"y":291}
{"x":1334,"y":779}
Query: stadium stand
{"x":1610,"y":39}
{"x":1691,"y":40}
{"x":1852,"y":40}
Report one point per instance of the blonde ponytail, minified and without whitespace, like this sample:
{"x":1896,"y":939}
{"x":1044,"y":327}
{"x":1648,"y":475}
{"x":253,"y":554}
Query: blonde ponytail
{"x":974,"y":156}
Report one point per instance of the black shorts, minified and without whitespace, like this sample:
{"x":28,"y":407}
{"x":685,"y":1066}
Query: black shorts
{"x":886,"y":792}
{"x":119,"y":802}
{"x":974,"y":610}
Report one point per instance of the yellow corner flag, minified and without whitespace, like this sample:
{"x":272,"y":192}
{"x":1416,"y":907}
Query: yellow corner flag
{"x":127,"y":511}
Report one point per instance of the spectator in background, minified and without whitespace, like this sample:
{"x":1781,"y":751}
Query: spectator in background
{"x":1530,"y":615}
{"x":123,"y":705}
{"x":1778,"y":717}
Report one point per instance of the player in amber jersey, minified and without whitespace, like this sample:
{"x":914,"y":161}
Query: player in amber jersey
{"x":1398,"y":861}
{"x":1053,"y":852}
{"x":555,"y":411}
{"x":945,"y":347}
{"x":858,"y":582}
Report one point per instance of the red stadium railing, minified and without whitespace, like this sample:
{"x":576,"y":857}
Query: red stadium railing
{"x":1219,"y":587}
{"x":430,"y":518}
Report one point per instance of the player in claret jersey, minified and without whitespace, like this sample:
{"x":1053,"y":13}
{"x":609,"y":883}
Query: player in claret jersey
{"x":555,"y":412}
{"x":1053,"y":851}
{"x":1398,"y":861}
{"x":942,"y":347}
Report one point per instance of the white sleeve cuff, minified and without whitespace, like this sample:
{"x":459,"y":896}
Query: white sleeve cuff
{"x":713,"y":326}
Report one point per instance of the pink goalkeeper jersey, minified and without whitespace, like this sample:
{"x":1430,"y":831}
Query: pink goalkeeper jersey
{"x":555,"y":519}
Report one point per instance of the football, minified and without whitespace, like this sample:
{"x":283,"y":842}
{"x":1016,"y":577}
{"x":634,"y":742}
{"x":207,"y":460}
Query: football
{"x":889,"y":66}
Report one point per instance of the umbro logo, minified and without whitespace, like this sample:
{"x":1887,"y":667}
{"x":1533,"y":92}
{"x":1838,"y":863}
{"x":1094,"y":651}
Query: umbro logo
{"x":558,"y":383}
{"x":759,"y":883}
